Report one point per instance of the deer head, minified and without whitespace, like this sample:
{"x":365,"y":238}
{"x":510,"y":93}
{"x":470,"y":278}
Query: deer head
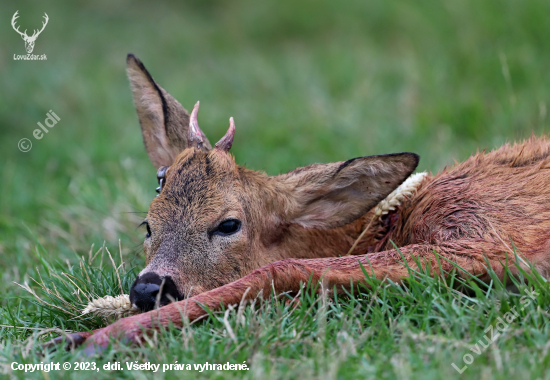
{"x":215,"y":221}
{"x":29,"y":41}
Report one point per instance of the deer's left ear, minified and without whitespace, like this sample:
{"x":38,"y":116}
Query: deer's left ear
{"x":164,"y":122}
{"x":332,"y":195}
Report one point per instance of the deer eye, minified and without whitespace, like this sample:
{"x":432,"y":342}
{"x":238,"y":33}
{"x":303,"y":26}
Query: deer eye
{"x":148,"y":234}
{"x":228,"y":227}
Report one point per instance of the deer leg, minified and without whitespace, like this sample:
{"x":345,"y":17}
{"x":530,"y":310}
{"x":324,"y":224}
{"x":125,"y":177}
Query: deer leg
{"x":287,"y":275}
{"x":71,"y":340}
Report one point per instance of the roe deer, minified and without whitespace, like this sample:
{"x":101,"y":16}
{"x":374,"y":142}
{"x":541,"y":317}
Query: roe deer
{"x":218,"y":232}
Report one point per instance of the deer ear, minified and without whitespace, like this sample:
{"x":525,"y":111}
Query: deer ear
{"x":164,"y":122}
{"x":332,"y":195}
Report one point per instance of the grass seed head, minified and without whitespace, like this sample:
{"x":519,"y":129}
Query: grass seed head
{"x":405,"y":190}
{"x":109,"y":307}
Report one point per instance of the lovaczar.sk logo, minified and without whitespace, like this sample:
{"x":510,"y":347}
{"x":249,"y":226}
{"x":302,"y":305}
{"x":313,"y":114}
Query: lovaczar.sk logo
{"x":29,"y":40}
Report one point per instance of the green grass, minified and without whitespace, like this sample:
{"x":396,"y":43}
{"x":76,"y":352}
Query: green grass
{"x":308,"y":81}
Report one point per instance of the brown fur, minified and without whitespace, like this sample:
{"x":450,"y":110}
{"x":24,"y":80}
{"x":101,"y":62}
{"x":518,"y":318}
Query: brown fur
{"x":277,"y":214}
{"x":296,"y":225}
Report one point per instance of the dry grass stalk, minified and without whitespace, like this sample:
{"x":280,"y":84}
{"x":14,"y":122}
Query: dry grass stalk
{"x":107,"y":307}
{"x":33,"y":293}
{"x":116,"y":271}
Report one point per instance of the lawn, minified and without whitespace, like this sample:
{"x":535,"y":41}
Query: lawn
{"x":308,"y":81}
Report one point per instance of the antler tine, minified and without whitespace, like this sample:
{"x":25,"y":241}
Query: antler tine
{"x":227,"y":141}
{"x":44,"y":23}
{"x":15,"y":17}
{"x":195,"y":134}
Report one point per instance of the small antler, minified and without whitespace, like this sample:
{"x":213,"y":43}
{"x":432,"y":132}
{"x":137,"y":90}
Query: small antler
{"x":35,"y":34}
{"x":195,"y":134}
{"x":227,"y":141}
{"x":15,"y":16}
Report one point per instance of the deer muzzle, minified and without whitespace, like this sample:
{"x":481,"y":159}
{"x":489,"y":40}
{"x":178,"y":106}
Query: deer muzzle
{"x":150,"y":291}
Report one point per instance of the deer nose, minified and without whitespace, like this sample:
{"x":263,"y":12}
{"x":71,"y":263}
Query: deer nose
{"x":145,"y":291}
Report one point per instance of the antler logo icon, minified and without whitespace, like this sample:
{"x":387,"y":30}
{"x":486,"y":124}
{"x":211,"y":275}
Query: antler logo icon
{"x":29,"y":41}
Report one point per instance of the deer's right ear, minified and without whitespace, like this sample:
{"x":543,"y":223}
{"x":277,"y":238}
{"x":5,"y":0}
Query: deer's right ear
{"x":164,"y":122}
{"x":332,"y":195}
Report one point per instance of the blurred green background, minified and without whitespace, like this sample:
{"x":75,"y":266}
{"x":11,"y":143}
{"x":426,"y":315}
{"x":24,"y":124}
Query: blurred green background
{"x":306,"y":81}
